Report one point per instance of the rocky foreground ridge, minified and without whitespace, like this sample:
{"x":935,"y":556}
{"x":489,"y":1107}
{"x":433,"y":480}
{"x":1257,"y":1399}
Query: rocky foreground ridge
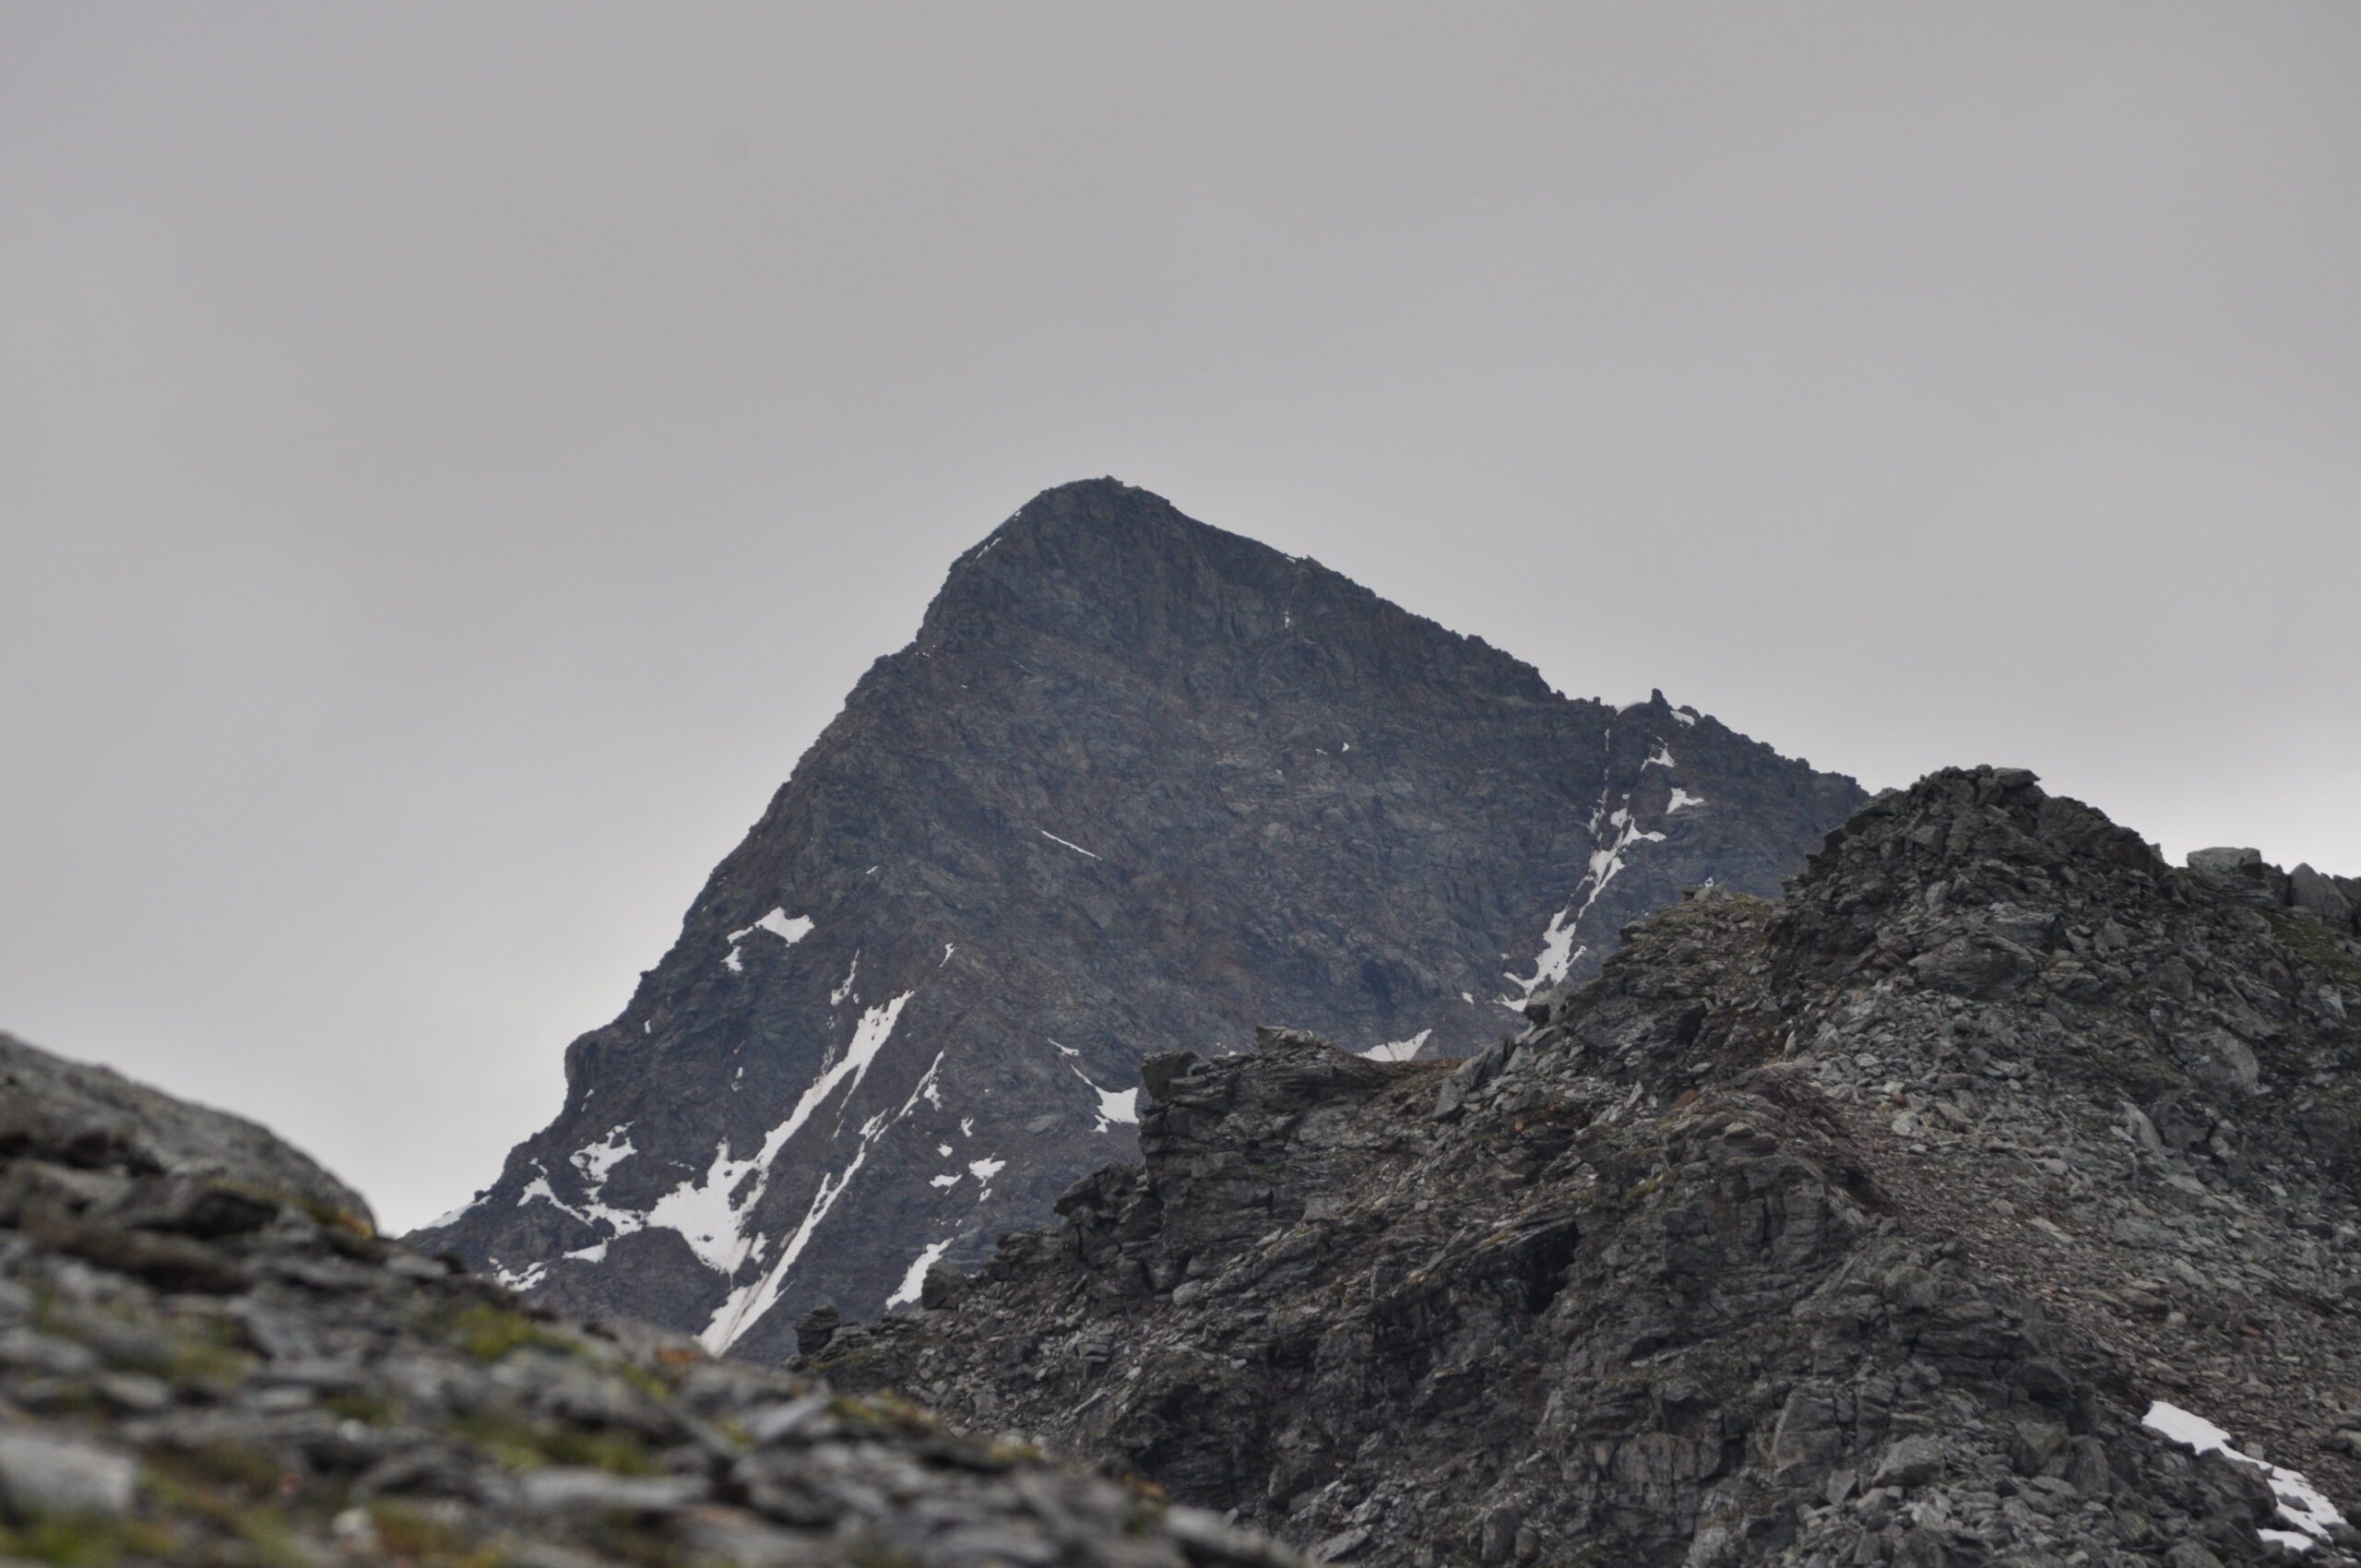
{"x":1867,"y":1226}
{"x":1137,"y":782}
{"x":206,"y":1357}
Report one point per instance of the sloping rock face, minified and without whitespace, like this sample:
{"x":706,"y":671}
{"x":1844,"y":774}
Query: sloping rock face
{"x":54,"y":1103}
{"x":1137,"y":782}
{"x":1863,"y":1227}
{"x":205,"y":1361}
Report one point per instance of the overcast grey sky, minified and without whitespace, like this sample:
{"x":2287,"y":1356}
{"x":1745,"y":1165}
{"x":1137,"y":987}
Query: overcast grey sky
{"x":454,"y":458}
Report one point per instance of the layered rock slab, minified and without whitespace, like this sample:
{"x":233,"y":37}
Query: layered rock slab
{"x":1871,"y":1225}
{"x":1138,"y":781}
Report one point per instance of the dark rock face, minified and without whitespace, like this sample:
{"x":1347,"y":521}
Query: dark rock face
{"x":1861,"y":1226}
{"x":204,"y":1360}
{"x":1137,"y":783}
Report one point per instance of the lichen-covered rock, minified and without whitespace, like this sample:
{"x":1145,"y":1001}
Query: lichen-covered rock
{"x":1862,"y":1227}
{"x":206,"y":1357}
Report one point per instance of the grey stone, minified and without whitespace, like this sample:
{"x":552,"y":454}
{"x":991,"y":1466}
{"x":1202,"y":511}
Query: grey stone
{"x":2223,"y":1060}
{"x":942,"y":1286}
{"x":47,"y":1473}
{"x":1340,"y":1547}
{"x":573,"y":1489}
{"x":776,"y":1424}
{"x":2242,"y":875}
{"x":2319,"y":897}
{"x":1496,"y":1540}
{"x":815,"y":1328}
{"x":1914,"y":1461}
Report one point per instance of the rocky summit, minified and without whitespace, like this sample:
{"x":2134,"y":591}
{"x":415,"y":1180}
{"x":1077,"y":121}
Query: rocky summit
{"x":1988,"y":1199}
{"x":1137,"y":783}
{"x":206,"y":1357}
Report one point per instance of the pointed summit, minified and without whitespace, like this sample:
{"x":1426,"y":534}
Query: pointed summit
{"x":1137,"y":784}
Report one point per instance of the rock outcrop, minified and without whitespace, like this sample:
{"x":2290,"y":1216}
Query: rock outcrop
{"x":207,"y":1358}
{"x":1973,"y":1204}
{"x":1137,"y":782}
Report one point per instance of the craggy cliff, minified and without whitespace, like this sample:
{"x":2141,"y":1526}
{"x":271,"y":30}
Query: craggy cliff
{"x":1961,"y":1207}
{"x":206,"y":1359}
{"x":1138,"y":782}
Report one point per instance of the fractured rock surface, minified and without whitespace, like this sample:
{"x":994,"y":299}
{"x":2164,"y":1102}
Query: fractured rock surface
{"x":1137,"y":782}
{"x":1872,"y":1225}
{"x":206,"y":1359}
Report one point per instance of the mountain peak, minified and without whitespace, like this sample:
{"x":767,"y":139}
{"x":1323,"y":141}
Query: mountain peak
{"x":1138,"y":783}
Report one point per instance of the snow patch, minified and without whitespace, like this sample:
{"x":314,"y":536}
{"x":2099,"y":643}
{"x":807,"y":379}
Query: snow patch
{"x":1684,"y":715}
{"x":925,"y":1089}
{"x":460,"y":1213}
{"x":1398,"y":1050}
{"x":985,"y":1170}
{"x":2300,"y":1503}
{"x":519,"y":1279}
{"x":1558,"y":950}
{"x":778,"y":923}
{"x":746,"y":1304}
{"x":594,"y":1160}
{"x":709,"y":1214}
{"x":1556,"y":956}
{"x":907,"y":1291}
{"x":787,"y":930}
{"x":1067,"y":842}
{"x":837,"y":997}
{"x":1115,"y":1105}
{"x":945,"y":1181}
{"x":1680,"y":798}
{"x":1662,"y":759}
{"x":596,"y":1253}
{"x":868,"y":1037}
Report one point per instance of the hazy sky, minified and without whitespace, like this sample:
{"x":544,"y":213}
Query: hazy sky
{"x":454,"y":458}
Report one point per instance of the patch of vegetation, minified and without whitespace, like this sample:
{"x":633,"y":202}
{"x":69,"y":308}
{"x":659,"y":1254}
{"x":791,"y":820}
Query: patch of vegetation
{"x":404,"y":1529}
{"x":1149,"y":1505}
{"x":883,"y":1410}
{"x":371,"y":1409}
{"x":488,"y":1332}
{"x":228,"y":1464}
{"x":519,"y":1445}
{"x":2317,"y":946}
{"x":328,"y":1217}
{"x":868,"y":1554}
{"x":76,"y":1540}
{"x":203,"y":1488}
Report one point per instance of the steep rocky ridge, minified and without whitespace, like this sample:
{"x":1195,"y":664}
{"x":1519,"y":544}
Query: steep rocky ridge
{"x":1864,"y":1226}
{"x":1136,"y":782}
{"x":207,"y":1358}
